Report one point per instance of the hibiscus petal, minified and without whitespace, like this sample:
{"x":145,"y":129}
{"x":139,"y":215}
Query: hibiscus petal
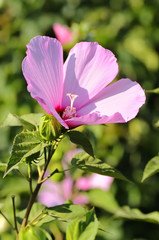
{"x":94,"y":119}
{"x":118,"y":102}
{"x":87,"y":70}
{"x":43,"y":71}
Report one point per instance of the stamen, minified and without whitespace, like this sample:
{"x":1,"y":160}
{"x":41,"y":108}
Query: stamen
{"x":70,"y":111}
{"x":72,"y":98}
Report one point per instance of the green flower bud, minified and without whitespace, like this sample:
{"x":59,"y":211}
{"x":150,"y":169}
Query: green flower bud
{"x":49,"y":127}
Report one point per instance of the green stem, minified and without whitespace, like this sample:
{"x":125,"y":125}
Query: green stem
{"x":50,"y":175}
{"x":14,"y":214}
{"x":34,"y":219}
{"x":56,"y":171}
{"x":35,"y":193}
{"x":51,"y":150}
{"x":30,"y":177}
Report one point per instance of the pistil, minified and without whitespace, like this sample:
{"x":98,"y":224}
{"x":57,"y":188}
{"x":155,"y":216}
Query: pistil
{"x":70,"y":111}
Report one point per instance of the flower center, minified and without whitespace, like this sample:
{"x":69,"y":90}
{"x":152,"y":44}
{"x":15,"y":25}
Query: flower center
{"x":70,"y":111}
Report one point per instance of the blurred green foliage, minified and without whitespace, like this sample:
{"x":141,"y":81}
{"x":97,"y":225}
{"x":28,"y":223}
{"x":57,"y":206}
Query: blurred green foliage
{"x":130,"y":29}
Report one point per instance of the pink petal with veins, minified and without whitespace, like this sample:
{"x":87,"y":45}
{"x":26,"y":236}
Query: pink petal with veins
{"x":87,"y":70}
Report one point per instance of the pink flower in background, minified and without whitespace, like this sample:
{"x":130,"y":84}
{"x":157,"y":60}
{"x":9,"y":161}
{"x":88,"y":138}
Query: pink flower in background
{"x":94,"y":181}
{"x":79,"y":92}
{"x":55,"y":193}
{"x":63,"y":33}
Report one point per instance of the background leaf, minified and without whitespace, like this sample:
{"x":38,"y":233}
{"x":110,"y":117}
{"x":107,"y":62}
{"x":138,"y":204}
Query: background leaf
{"x":80,"y":139}
{"x":103,"y":199}
{"x":136,"y":214}
{"x":152,"y":167}
{"x":90,"y":164}
{"x":156,"y":90}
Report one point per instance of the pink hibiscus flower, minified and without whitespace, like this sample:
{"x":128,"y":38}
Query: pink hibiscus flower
{"x":55,"y":193}
{"x":94,"y":181}
{"x":79,"y":92}
{"x":63,"y":34}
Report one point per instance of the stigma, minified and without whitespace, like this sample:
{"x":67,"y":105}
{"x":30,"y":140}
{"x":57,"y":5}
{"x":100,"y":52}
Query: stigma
{"x":70,"y":111}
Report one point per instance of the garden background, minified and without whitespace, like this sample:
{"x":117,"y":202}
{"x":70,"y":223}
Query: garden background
{"x":129,"y":28}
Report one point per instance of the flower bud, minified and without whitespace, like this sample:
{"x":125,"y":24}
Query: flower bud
{"x":49,"y":127}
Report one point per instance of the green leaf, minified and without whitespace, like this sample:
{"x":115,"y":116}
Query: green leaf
{"x":33,"y":233}
{"x":11,"y":120}
{"x":32,"y":118}
{"x":83,"y":230}
{"x":29,"y":121}
{"x":104,"y":200}
{"x":66,"y":212}
{"x":36,"y":210}
{"x":3,"y":167}
{"x":25,"y":144}
{"x":80,"y":139}
{"x":152,"y":167}
{"x":156,"y":124}
{"x":73,"y":230}
{"x":91,"y":227}
{"x":88,"y":163}
{"x":136,"y":214}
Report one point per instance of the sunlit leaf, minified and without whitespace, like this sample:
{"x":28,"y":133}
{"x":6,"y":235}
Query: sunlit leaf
{"x":3,"y":167}
{"x":25,"y":144}
{"x":73,"y":230}
{"x":80,"y":139}
{"x":90,"y":164}
{"x":66,"y":212}
{"x":27,"y":121}
{"x":84,"y":229}
{"x":90,"y":227}
{"x":152,"y":167}
{"x":32,"y":118}
{"x":36,"y":210}
{"x":33,"y":233}
{"x":11,"y":120}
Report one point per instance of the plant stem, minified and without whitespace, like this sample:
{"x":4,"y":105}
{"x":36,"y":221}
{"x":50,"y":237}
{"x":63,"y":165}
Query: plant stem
{"x":30,"y":177}
{"x":51,"y":150}
{"x":50,"y":175}
{"x":35,"y":193}
{"x":14,"y":214}
{"x":39,"y":215}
